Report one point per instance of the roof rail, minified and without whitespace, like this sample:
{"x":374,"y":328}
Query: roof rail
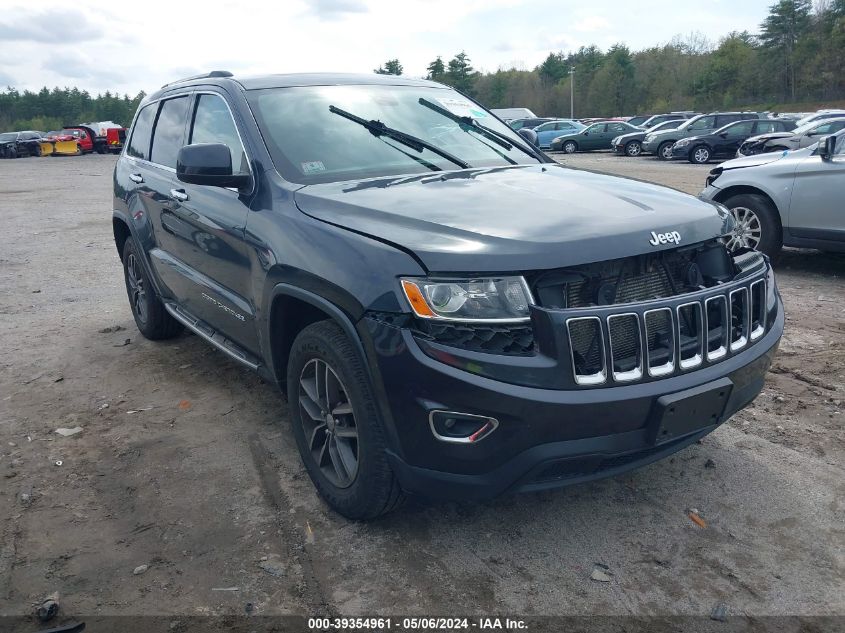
{"x":213,"y":73}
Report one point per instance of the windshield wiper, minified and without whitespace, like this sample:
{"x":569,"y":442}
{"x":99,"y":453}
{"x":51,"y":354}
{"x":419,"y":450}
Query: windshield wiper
{"x":490,"y":133}
{"x":377,"y":128}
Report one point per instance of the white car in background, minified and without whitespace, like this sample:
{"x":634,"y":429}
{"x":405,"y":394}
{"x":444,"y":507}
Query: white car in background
{"x":789,"y":198}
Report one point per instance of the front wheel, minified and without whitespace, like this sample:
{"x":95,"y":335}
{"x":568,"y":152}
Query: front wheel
{"x":664,"y":151}
{"x":633,"y":148}
{"x":700,"y":155}
{"x":570,"y":147}
{"x":756,"y":224}
{"x":336,"y":426}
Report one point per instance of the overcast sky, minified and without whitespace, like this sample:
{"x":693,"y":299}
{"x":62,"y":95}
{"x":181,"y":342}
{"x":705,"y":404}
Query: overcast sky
{"x":130,"y":46}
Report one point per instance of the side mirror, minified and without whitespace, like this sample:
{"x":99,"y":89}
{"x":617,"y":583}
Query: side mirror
{"x":827,"y":147}
{"x":208,"y":164}
{"x":724,"y":135}
{"x":528,"y":135}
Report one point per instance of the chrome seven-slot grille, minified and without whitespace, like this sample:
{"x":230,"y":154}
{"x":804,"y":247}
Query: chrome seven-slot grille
{"x":626,"y":343}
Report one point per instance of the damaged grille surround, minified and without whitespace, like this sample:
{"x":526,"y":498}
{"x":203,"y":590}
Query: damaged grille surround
{"x":656,"y":326}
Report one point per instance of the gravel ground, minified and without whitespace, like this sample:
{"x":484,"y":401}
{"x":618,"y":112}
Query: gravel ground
{"x":185,"y":464}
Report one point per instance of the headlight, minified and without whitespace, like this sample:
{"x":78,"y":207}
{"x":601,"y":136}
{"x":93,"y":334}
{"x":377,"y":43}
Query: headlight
{"x":556,"y":139}
{"x":615,"y":141}
{"x":649,"y":138}
{"x":502,"y":299}
{"x":682,"y":142}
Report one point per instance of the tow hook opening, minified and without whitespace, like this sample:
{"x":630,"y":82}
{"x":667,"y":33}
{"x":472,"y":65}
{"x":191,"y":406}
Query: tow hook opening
{"x":461,"y":428}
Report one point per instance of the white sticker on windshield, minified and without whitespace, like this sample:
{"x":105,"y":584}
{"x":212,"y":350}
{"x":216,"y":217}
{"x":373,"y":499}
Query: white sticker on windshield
{"x":462,"y":107}
{"x":313,"y":167}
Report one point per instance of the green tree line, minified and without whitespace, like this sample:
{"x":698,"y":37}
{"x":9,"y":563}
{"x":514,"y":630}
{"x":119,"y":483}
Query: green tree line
{"x":798,"y":56}
{"x":47,"y":109}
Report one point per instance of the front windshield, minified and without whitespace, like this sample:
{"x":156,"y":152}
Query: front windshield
{"x":310,"y":144}
{"x":8,"y":136}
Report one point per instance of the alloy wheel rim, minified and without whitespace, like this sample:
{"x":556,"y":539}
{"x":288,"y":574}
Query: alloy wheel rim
{"x":137,"y":291}
{"x":328,"y":422}
{"x":701,"y":155}
{"x":569,"y":148}
{"x":747,"y":231}
{"x":634,"y":149}
{"x":667,"y":151}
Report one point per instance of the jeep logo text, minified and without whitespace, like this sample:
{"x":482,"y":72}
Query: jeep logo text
{"x":671,"y":237}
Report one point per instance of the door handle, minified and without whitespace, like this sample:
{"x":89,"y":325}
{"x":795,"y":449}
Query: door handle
{"x":178,"y":194}
{"x":137,"y":178}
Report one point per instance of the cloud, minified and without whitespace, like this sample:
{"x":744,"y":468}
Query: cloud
{"x":73,"y":65}
{"x":6,"y":80}
{"x":334,"y":9}
{"x":48,"y":26}
{"x":591,"y":23}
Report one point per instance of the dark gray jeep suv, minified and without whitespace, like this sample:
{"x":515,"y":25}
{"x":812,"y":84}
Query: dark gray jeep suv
{"x":449,"y":312}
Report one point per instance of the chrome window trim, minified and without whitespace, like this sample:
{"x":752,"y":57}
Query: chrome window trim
{"x":189,"y":128}
{"x":722,"y":350}
{"x":631,"y":374}
{"x":665,"y":368}
{"x":587,"y":379}
{"x":695,"y":361}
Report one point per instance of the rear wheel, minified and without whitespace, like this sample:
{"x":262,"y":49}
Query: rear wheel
{"x":152,"y":319}
{"x":570,"y":147}
{"x":335,"y":423}
{"x":664,"y":151}
{"x":633,"y":148}
{"x":756,"y":224}
{"x":700,"y":155}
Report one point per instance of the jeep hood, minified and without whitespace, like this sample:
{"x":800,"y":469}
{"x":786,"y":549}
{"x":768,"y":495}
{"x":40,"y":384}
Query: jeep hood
{"x":513,"y":218}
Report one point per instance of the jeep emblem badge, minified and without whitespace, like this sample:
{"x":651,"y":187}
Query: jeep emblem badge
{"x":670,"y":237}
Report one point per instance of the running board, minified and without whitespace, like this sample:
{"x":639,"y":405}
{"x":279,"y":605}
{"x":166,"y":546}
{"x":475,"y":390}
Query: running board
{"x":202,"y":329}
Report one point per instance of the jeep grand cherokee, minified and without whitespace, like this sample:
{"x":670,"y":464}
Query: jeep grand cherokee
{"x":449,"y":312}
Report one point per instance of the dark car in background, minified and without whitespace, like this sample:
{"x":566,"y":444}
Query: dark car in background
{"x":726,"y":140}
{"x":596,"y":136}
{"x":16,"y":144}
{"x":799,"y":137}
{"x":631,"y":144}
{"x":657,"y":119}
{"x":518,"y":124}
{"x":449,"y":311}
{"x":638,"y":119}
{"x":660,"y":143}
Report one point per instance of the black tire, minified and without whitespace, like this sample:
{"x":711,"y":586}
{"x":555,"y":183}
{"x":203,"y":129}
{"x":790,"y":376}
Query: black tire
{"x":13,"y":153}
{"x":570,"y":147}
{"x":101,"y":148}
{"x":633,"y":148}
{"x":36,"y":151}
{"x":700,"y":155}
{"x":152,"y":319}
{"x":373,"y":489}
{"x":771,"y":232}
{"x":664,"y":150}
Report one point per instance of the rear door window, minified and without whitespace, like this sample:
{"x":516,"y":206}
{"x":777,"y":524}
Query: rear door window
{"x":142,"y":131}
{"x":213,"y":123}
{"x":169,"y":134}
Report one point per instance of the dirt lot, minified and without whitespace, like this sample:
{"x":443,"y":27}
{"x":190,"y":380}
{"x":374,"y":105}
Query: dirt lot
{"x":185,"y":464}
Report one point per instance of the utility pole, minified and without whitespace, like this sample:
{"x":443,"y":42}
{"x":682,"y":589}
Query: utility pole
{"x":572,"y":92}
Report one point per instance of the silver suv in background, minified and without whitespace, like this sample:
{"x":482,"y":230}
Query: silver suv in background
{"x":785,"y":199}
{"x":804,"y":136}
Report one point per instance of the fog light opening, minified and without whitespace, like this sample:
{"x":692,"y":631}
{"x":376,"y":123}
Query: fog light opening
{"x":461,"y":428}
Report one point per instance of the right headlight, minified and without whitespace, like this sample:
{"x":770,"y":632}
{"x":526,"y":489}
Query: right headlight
{"x":648,"y":138}
{"x":491,"y":299}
